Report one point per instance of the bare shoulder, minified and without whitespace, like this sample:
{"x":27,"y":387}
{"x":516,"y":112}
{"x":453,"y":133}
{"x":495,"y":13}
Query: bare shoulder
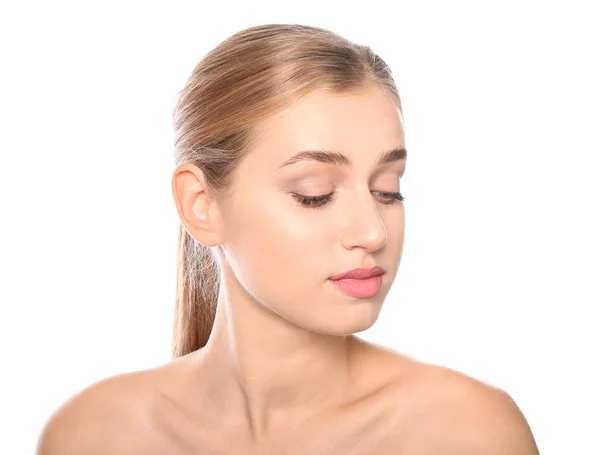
{"x":454,"y":413}
{"x":108,"y":416}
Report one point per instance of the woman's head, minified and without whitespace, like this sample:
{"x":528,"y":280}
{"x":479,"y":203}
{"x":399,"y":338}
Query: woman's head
{"x":254,"y":102}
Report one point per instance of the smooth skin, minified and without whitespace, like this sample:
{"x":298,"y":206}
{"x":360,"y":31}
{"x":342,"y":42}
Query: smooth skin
{"x":283,"y":372}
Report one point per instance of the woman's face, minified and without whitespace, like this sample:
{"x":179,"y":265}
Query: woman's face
{"x":283,"y":252}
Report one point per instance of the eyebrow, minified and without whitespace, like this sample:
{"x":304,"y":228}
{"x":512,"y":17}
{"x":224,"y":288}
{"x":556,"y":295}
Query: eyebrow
{"x":339,"y":159}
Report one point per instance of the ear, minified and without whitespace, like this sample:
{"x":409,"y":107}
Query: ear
{"x":197,"y":210}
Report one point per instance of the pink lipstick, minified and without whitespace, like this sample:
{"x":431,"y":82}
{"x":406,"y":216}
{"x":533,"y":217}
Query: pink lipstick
{"x":362,"y":283}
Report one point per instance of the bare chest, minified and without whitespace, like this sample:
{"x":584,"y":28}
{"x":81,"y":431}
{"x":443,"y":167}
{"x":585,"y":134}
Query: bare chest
{"x":360,"y":429}
{"x":345,"y":436}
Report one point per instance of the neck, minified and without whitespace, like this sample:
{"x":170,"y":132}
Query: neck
{"x":267,"y":371}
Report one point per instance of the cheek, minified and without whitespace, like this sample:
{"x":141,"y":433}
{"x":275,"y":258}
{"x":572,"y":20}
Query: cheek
{"x":280,"y":250}
{"x":395,"y":228}
{"x":285,"y":236}
{"x":394,"y":222}
{"x":266,"y":238}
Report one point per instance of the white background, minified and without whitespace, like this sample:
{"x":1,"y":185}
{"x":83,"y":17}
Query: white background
{"x":500,"y":272}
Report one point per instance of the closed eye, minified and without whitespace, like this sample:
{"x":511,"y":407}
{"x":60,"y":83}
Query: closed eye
{"x":321,"y":201}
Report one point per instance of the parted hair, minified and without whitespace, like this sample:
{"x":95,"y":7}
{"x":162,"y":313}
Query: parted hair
{"x":244,"y":79}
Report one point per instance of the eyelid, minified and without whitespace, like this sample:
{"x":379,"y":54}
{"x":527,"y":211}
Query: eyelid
{"x":309,"y":180}
{"x":316,"y":202}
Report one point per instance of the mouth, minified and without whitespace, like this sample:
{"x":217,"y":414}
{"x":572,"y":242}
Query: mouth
{"x":359,"y":274}
{"x":361,"y":288}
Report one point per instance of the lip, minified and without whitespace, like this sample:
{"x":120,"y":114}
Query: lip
{"x":359,"y":274}
{"x":364,"y":288}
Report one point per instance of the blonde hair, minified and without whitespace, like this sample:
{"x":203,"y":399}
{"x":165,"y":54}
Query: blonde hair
{"x":247,"y":77}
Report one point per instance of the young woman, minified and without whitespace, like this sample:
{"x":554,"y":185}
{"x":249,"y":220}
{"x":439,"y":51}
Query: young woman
{"x":289,"y":153}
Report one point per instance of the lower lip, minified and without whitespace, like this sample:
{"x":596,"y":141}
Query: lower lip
{"x":359,"y":288}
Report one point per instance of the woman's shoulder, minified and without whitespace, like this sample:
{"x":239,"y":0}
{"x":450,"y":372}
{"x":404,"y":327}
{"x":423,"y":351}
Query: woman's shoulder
{"x":108,"y":416}
{"x":440,"y":407}
{"x":409,"y":376}
{"x":432,"y":384}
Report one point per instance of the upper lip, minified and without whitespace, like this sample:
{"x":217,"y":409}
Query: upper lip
{"x":359,"y":274}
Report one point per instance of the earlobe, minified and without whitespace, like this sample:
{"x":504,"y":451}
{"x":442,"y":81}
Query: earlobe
{"x":194,"y":205}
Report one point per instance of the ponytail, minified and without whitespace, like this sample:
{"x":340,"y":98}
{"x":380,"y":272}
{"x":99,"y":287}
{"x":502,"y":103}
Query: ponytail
{"x":197,"y":290}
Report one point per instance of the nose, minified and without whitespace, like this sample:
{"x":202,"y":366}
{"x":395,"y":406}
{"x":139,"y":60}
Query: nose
{"x":364,"y":227}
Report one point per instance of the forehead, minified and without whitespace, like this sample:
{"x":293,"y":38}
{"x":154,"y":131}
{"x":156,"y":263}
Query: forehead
{"x":360,"y":123}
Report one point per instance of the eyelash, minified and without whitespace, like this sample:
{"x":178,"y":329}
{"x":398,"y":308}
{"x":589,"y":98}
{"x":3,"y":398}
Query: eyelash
{"x":320,"y":201}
